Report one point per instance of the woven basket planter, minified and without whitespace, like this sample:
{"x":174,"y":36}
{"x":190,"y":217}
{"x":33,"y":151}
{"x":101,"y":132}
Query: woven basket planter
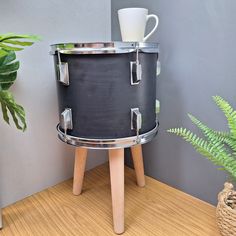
{"x":225,"y":215}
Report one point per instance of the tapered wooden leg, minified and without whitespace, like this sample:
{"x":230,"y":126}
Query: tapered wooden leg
{"x":116,"y":161}
{"x":138,"y":164}
{"x":0,"y":218}
{"x":79,"y":168}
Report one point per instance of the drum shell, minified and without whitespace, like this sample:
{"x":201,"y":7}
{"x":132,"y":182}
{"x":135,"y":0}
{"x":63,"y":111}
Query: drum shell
{"x":101,"y":96}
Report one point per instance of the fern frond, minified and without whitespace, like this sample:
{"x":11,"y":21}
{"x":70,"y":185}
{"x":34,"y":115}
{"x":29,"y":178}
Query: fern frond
{"x":229,"y":113}
{"x":215,"y":152}
{"x":209,"y":133}
{"x":215,"y":136}
{"x":231,"y":142}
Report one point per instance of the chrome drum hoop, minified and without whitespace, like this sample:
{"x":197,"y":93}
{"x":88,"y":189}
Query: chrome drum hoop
{"x":104,"y":48}
{"x":107,"y":143}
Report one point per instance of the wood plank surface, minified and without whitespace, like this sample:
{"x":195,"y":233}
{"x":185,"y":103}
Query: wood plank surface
{"x":156,"y":209}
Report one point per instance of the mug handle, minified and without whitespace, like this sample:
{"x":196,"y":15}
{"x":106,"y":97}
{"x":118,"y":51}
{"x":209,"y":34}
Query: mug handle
{"x":155,"y":27}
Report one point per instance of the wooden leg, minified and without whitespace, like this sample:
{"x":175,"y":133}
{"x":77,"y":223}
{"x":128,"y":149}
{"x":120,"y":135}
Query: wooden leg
{"x":0,"y":218}
{"x":116,"y":161}
{"x":79,"y":168}
{"x":138,"y":164}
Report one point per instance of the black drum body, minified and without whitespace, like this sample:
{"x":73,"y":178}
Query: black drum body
{"x":106,"y":93}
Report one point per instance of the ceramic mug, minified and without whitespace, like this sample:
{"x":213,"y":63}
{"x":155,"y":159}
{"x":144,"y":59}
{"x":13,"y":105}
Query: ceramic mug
{"x":133,"y":23}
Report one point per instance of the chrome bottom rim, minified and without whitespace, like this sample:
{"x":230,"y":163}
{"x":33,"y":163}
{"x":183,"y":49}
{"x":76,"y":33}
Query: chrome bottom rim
{"x":107,"y":143}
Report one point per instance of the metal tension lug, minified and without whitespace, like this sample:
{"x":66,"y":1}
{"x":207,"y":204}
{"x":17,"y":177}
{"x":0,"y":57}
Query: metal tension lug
{"x":136,"y":119}
{"x":64,"y":73}
{"x":66,"y":119}
{"x":158,"y":70}
{"x":136,"y":122}
{"x":135,"y":72}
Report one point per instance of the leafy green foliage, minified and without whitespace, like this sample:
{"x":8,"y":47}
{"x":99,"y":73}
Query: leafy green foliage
{"x":10,"y":106}
{"x":9,"y":43}
{"x":8,"y":70}
{"x":218,"y":147}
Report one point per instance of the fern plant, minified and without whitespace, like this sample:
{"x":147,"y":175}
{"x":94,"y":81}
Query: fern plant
{"x":218,"y":147}
{"x":9,"y":43}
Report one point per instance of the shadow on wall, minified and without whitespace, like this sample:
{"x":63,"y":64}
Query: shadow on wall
{"x":155,"y":164}
{"x":168,"y":92}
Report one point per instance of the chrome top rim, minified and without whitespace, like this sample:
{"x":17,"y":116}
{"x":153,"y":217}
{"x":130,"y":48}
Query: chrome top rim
{"x":107,"y":143}
{"x":104,"y":48}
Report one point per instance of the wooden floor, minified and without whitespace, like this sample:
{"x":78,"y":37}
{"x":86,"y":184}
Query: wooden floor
{"x":156,"y":209}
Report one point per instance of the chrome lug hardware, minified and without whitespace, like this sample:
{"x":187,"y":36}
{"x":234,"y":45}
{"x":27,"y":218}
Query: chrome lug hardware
{"x":136,"y":121}
{"x":135,"y":70}
{"x":63,"y":70}
{"x":158,"y":70}
{"x":66,"y":121}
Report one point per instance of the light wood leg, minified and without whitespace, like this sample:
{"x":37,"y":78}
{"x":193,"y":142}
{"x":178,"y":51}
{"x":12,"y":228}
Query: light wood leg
{"x":79,"y":168}
{"x":0,"y":218}
{"x":138,"y":164}
{"x":116,"y":161}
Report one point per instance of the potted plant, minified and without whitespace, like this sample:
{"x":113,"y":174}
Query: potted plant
{"x":9,"y":44}
{"x":220,"y":148}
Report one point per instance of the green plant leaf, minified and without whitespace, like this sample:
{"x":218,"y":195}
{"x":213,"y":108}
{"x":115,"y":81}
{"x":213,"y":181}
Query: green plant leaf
{"x":8,"y":57}
{"x":9,"y":43}
{"x":4,"y":113}
{"x":215,"y":136}
{"x":8,"y":40}
{"x":207,"y":131}
{"x":215,"y":152}
{"x":10,"y":48}
{"x":17,"y":42}
{"x":7,"y":36}
{"x":6,"y":86}
{"x":8,"y":70}
{"x":8,"y":78}
{"x":17,"y":112}
{"x":229,"y":113}
{"x":3,"y":53}
{"x":219,"y":147}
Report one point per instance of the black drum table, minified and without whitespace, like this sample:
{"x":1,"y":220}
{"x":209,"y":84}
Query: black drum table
{"x":106,"y":98}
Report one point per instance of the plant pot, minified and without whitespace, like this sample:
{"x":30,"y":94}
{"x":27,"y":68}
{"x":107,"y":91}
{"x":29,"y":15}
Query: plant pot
{"x":225,"y":215}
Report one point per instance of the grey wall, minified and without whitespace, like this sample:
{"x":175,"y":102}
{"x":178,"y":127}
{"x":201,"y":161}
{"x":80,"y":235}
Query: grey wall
{"x":198,"y":56}
{"x":34,"y":160}
{"x":198,"y":60}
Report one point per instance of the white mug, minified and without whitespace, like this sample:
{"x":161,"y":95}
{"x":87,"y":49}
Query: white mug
{"x":133,"y":23}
